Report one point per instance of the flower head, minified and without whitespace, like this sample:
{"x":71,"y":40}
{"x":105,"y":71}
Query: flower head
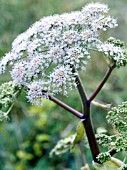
{"x":37,"y":90}
{"x":114,"y":51}
{"x":96,"y":8}
{"x":63,"y":42}
{"x":62,"y":79}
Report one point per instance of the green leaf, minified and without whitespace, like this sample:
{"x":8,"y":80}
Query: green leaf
{"x":79,"y":133}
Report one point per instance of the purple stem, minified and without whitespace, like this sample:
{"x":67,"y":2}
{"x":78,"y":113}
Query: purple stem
{"x":66,"y":107}
{"x":101,"y":83}
{"x":88,"y":123}
{"x":112,"y":152}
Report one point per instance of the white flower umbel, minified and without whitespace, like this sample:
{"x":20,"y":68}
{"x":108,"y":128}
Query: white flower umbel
{"x":62,"y":79}
{"x":56,"y":54}
{"x":18,"y":73}
{"x":77,"y":56}
{"x":62,"y":42}
{"x":114,"y":51}
{"x":37,"y":90}
{"x":34,"y":67}
{"x":94,"y":8}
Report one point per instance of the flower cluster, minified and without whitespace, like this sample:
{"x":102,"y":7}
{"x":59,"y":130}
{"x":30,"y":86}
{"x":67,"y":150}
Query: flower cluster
{"x":37,"y":90}
{"x":62,"y":79}
{"x":103,"y":157}
{"x":61,"y":41}
{"x":63,"y":146}
{"x":114,"y":51}
{"x":117,"y":117}
{"x":104,"y":140}
{"x":8,"y":93}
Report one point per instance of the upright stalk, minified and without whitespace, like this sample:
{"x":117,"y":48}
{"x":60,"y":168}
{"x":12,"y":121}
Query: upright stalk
{"x":85,"y":115}
{"x":86,"y":111}
{"x":88,"y":123}
{"x":91,"y":135}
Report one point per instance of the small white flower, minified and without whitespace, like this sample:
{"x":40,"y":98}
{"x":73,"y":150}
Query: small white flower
{"x":33,"y":45}
{"x":114,"y":53}
{"x":34,"y":67}
{"x":104,"y":23}
{"x":62,"y":79}
{"x":51,"y":37}
{"x":69,"y":37}
{"x":95,"y":8}
{"x":56,"y":54}
{"x":18,"y":73}
{"x":75,"y":56}
{"x":37,"y":90}
{"x":4,"y":61}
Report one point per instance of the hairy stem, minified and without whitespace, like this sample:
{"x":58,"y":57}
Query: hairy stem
{"x":101,"y":83}
{"x":66,"y":107}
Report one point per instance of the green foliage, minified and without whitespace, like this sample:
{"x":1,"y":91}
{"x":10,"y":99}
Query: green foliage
{"x":117,"y":117}
{"x":24,"y":156}
{"x":103,"y":157}
{"x":104,"y":140}
{"x":8,"y":94}
{"x":63,"y":146}
{"x":69,"y":143}
{"x":31,"y":138}
{"x":112,"y":164}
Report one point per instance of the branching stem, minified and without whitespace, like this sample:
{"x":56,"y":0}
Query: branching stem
{"x":86,"y":113}
{"x":88,"y":123}
{"x":91,"y":136}
{"x":101,"y":83}
{"x":66,"y":107}
{"x":82,"y":92}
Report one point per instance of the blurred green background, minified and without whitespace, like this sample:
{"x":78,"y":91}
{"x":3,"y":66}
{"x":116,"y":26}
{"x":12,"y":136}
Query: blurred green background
{"x":31,"y":132}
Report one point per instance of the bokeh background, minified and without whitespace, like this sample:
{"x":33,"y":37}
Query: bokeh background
{"x":31,"y":132}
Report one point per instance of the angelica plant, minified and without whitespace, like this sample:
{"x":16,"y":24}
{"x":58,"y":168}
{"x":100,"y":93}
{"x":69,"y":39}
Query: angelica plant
{"x":47,"y":59}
